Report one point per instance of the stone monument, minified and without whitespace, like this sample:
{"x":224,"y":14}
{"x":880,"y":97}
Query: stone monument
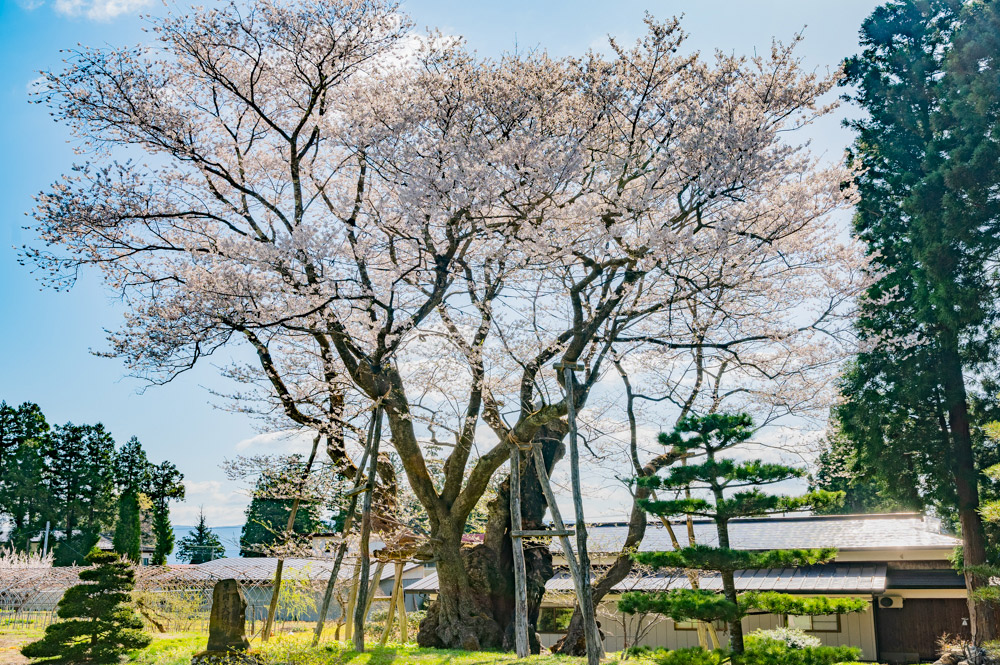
{"x":227,"y":637}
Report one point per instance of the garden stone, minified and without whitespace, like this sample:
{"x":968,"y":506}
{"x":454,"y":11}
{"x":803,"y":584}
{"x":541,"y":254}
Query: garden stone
{"x":227,"y":623}
{"x":227,"y":638}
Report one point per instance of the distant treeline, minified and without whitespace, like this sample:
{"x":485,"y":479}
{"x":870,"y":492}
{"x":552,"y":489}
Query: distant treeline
{"x":77,"y":480}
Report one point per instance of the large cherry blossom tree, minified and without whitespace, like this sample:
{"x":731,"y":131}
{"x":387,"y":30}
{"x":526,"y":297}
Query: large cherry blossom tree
{"x":388,"y":220}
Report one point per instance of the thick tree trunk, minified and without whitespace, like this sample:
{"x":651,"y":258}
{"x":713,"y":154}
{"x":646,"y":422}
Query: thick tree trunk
{"x":474,"y":608}
{"x":982,"y":616}
{"x":461,"y":617}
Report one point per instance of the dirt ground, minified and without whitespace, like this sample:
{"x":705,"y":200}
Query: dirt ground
{"x":9,"y":649}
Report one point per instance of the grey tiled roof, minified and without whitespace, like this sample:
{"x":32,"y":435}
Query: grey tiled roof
{"x":844,"y":532}
{"x":260,"y":569}
{"x":833,"y":578}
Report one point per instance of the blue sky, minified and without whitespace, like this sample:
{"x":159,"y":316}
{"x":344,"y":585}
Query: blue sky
{"x":46,"y":338}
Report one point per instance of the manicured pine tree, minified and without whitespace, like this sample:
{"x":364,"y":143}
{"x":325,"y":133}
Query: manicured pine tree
{"x":201,"y":544}
{"x":99,"y":625}
{"x":733,"y":491}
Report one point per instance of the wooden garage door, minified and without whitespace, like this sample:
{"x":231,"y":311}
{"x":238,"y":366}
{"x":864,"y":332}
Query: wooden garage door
{"x":916,"y":626}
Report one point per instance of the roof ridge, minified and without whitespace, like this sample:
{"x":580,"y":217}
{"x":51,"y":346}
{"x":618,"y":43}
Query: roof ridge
{"x":774,"y":518}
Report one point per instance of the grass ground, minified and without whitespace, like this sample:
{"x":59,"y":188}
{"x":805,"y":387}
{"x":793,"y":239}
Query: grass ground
{"x":295,"y":649}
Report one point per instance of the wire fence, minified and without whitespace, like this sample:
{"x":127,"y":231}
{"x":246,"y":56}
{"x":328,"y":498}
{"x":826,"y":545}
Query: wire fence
{"x":179,"y":598}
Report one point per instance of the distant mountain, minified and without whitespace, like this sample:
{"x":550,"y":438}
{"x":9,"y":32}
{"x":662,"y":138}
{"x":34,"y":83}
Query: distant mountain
{"x":229,"y":535}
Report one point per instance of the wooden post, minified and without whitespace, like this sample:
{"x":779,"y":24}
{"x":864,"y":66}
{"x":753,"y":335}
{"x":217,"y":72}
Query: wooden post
{"x":352,"y":599}
{"x":520,"y":585}
{"x":391,"y":614}
{"x":345,"y":531}
{"x":272,"y":607}
{"x":595,"y":649}
{"x":574,"y":567}
{"x":361,"y":609}
{"x":373,"y":589}
{"x":401,"y":609}
{"x":397,"y":589}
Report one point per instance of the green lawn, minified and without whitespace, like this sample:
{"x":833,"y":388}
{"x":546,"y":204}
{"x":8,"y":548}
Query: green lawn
{"x":177,"y":649}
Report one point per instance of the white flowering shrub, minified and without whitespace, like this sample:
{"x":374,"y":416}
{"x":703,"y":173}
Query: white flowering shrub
{"x":793,"y":637}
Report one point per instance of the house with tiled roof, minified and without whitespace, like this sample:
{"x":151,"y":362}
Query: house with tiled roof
{"x":898,"y":562}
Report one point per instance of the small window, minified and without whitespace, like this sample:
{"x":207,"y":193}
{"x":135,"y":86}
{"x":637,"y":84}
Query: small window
{"x":693,"y":625}
{"x":554,"y":619}
{"x":826,"y":623}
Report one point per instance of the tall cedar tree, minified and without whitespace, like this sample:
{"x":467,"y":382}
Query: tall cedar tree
{"x":99,"y":624}
{"x":733,"y":491}
{"x":127,"y":539}
{"x":267,"y":518}
{"x":24,"y":501}
{"x":79,"y":474}
{"x":866,"y":489}
{"x":201,"y":544}
{"x":164,"y":484}
{"x":928,"y":151}
{"x":132,"y":475}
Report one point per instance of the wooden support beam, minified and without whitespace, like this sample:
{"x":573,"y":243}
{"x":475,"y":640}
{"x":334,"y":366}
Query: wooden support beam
{"x":357,"y":490}
{"x":521,"y":644}
{"x":541,"y":533}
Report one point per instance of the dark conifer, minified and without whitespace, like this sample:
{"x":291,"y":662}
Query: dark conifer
{"x":98,"y":623}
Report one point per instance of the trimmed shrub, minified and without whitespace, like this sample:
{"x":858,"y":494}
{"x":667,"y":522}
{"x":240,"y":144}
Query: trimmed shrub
{"x":768,"y":651}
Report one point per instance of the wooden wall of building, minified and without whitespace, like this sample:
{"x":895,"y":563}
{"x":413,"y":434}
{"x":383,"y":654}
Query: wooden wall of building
{"x":857,"y":630}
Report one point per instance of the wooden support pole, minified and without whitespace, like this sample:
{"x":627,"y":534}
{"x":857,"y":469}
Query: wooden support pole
{"x":543,"y":480}
{"x":373,"y":589}
{"x":352,"y":600}
{"x":401,"y":609}
{"x":361,"y":610}
{"x":520,"y":584}
{"x":272,"y":608}
{"x":397,"y":580}
{"x":595,"y":650}
{"x":345,"y":531}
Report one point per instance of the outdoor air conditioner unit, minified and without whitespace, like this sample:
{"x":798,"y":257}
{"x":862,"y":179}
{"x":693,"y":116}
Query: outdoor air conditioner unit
{"x":890,"y":602}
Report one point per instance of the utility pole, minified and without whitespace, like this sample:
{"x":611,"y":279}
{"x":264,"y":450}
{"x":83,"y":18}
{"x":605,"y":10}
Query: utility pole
{"x":586,"y":596}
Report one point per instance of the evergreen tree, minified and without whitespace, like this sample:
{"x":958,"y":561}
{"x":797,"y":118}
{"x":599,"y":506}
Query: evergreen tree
{"x":733,"y":491}
{"x":131,"y":467}
{"x":127,"y":540}
{"x":132,"y":476}
{"x":267,"y":518}
{"x":79,"y":476}
{"x":99,"y":625}
{"x":164,"y":484}
{"x":23,"y":499}
{"x":927,"y":145}
{"x":201,"y":544}
{"x":865,"y":489}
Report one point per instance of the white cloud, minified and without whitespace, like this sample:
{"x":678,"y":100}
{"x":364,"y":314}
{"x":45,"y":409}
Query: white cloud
{"x":30,"y":5}
{"x":222,"y":502}
{"x":98,"y":10}
{"x":283,"y":442}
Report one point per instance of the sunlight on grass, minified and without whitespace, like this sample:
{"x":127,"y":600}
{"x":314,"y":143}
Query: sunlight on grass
{"x":294,"y":649}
